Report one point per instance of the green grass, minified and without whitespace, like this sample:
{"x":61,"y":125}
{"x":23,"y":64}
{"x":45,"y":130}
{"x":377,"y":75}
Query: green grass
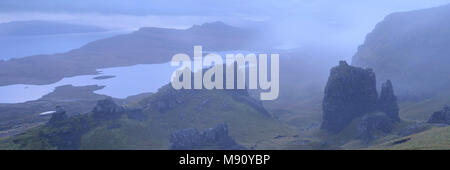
{"x":422,"y":110}
{"x":437,"y":138}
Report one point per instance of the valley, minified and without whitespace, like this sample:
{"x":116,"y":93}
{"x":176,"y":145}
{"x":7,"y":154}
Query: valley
{"x":114,"y":93}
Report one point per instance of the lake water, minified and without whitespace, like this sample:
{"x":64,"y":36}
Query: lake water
{"x":128,"y":81}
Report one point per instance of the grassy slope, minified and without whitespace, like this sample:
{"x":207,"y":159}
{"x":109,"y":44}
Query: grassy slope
{"x":422,"y":110}
{"x":435,"y":138}
{"x":247,"y":126}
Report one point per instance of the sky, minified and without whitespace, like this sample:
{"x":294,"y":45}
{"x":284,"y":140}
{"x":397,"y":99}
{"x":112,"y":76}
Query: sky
{"x":339,"y":23}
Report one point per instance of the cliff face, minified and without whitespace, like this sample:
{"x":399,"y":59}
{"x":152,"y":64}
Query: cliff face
{"x":350,"y":92}
{"x":411,"y":49}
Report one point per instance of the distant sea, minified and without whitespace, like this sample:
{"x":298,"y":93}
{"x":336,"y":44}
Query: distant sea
{"x":22,"y":46}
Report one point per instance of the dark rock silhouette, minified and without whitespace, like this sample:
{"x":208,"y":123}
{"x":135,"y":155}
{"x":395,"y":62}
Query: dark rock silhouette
{"x":107,"y":109}
{"x":65,"y":132}
{"x":350,"y":92}
{"x":387,"y":102}
{"x":215,"y":138}
{"x":441,"y":117}
{"x":58,"y":117}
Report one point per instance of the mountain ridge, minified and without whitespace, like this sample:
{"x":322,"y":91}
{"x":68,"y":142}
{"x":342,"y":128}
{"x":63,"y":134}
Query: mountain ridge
{"x":411,"y":49}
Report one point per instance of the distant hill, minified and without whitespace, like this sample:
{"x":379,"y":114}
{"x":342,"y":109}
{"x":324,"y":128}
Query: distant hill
{"x":36,"y":27}
{"x":145,"y":46}
{"x":411,"y":49}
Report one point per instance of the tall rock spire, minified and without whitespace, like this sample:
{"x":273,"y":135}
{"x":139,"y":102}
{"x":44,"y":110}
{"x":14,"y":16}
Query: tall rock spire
{"x":387,"y":102}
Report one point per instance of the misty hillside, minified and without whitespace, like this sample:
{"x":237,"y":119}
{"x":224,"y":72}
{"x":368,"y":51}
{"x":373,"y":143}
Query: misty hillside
{"x":411,"y":49}
{"x":149,"y":123}
{"x":145,"y":46}
{"x":27,"y":28}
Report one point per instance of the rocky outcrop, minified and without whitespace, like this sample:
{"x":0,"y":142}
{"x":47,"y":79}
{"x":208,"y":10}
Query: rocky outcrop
{"x":441,"y":117}
{"x":166,"y":99}
{"x":169,"y":98}
{"x":371,"y":124}
{"x":107,"y":109}
{"x":213,"y":138}
{"x":58,"y":117}
{"x":387,"y":102}
{"x":350,"y":92}
{"x":63,"y":132}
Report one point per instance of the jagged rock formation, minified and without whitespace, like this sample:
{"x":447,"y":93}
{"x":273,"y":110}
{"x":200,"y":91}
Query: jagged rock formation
{"x":371,"y":124}
{"x":442,"y":117}
{"x":350,"y":92}
{"x":66,"y":133}
{"x":215,"y":138}
{"x":169,"y":98}
{"x":107,"y":109}
{"x":387,"y":102}
{"x":58,"y":117}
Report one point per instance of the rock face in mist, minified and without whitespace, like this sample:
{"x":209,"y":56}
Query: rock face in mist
{"x":442,"y":117}
{"x":372,"y":123}
{"x":216,"y":138}
{"x":387,"y":102}
{"x":411,"y":49}
{"x":350,"y":92}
